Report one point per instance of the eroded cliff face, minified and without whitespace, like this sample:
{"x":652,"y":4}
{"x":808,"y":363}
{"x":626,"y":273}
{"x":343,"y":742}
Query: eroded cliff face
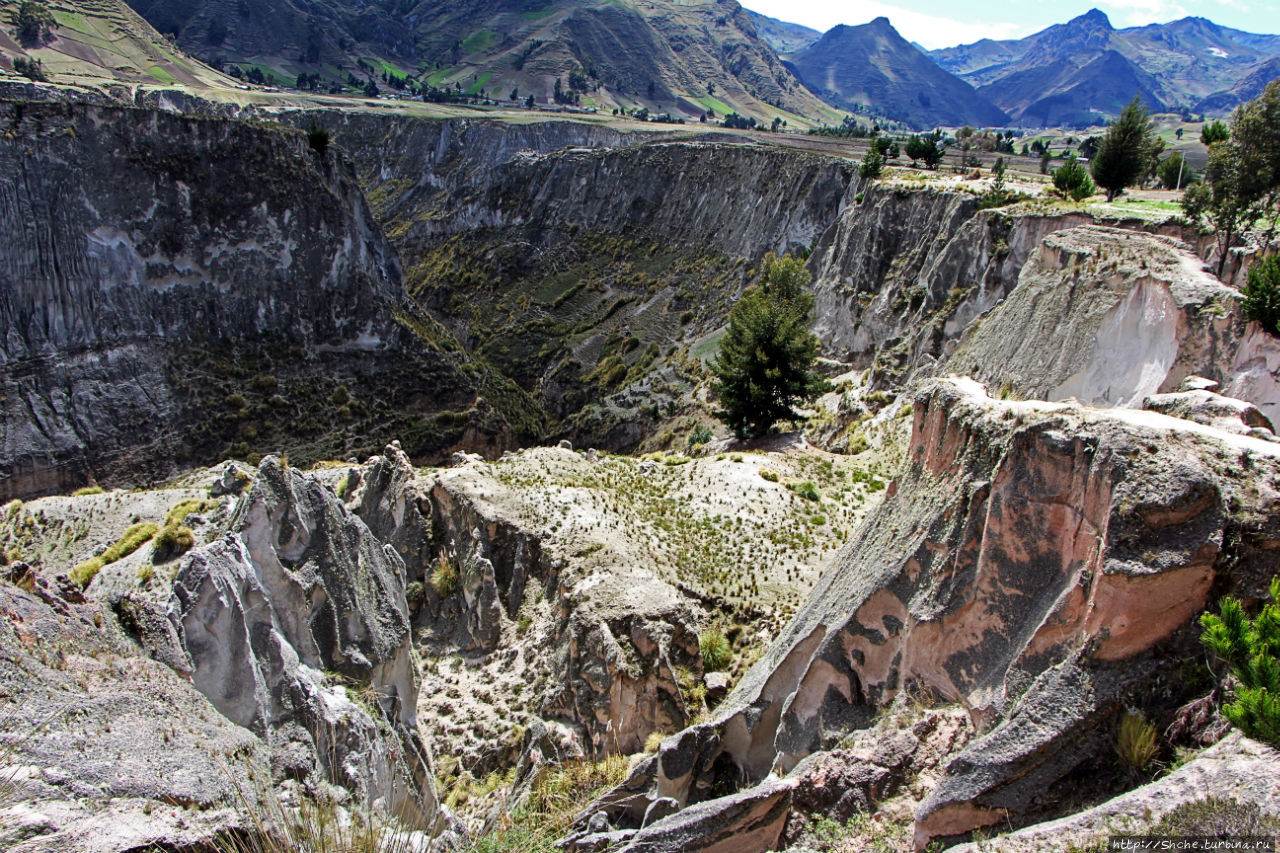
{"x":902,"y":272}
{"x":584,"y":263}
{"x":1108,"y":317}
{"x":177,"y":286}
{"x":1040,"y":565}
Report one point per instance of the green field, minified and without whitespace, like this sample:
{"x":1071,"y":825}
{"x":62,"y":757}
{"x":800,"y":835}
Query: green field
{"x":481,"y":81}
{"x":479,"y":40}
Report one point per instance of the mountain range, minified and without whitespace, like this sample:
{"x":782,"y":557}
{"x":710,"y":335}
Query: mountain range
{"x":1084,"y":70}
{"x":688,"y":58}
{"x":691,"y":59}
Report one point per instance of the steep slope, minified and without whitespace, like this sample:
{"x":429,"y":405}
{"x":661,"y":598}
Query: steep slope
{"x":104,"y":42}
{"x":173,"y":289}
{"x":872,"y":68}
{"x":782,"y":36}
{"x":1174,"y":66}
{"x":1087,"y":96}
{"x":1223,"y":102}
{"x":686,"y":58}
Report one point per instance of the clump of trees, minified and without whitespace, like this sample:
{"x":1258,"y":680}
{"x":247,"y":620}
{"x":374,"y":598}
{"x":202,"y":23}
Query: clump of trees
{"x":765,"y":364}
{"x":927,"y":148}
{"x":1241,"y":184}
{"x":1128,"y":150}
{"x":34,"y":22}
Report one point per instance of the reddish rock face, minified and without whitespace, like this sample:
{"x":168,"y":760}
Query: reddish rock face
{"x":1038,"y":564}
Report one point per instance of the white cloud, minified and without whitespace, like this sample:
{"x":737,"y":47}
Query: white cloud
{"x":932,"y":31}
{"x":1137,"y":13}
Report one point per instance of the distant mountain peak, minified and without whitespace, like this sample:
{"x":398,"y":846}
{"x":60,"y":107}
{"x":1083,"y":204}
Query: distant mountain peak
{"x":1094,"y":17}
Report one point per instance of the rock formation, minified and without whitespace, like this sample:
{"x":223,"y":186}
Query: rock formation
{"x":177,"y":285}
{"x":1109,"y":316}
{"x":297,"y":600}
{"x":1039,"y":564}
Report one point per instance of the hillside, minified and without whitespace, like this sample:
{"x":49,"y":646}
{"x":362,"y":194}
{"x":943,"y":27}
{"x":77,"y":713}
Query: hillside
{"x":1070,"y":73}
{"x":682,"y":58}
{"x":103,"y":42}
{"x":871,"y":68}
{"x":782,"y":36}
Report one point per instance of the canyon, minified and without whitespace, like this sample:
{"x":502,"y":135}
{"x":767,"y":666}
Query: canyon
{"x":479,"y":524}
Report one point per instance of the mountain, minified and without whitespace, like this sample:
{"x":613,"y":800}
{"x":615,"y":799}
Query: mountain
{"x":663,"y":55}
{"x":1221,"y":103}
{"x":871,"y":67}
{"x":1085,"y":68}
{"x":104,"y":42}
{"x":782,"y":36}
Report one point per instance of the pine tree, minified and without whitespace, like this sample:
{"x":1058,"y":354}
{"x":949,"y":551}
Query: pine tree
{"x":1252,"y":650}
{"x":765,"y":363}
{"x":1126,"y":151}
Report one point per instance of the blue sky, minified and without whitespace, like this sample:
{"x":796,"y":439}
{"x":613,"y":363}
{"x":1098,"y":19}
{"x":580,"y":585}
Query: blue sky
{"x":942,"y":23}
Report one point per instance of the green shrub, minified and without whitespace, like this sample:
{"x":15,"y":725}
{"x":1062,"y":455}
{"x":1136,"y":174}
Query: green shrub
{"x":806,"y":490}
{"x":1072,"y":180}
{"x":133,"y":538}
{"x":179,"y":511}
{"x":700,"y":435}
{"x":172,"y":541}
{"x":715,"y":649}
{"x":318,"y":139}
{"x":415,"y":593}
{"x":1262,"y":294}
{"x":1252,"y":651}
{"x":87,"y":490}
{"x":445,"y":577}
{"x":769,"y":474}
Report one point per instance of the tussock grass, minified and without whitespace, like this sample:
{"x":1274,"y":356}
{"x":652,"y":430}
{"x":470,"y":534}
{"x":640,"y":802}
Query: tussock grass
{"x":133,"y":539}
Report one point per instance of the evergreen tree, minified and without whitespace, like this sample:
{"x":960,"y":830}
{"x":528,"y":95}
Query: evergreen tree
{"x":926,"y":147}
{"x":1126,"y":151}
{"x":1072,"y":179}
{"x":1214,"y":132}
{"x":1252,"y":650}
{"x":872,"y":164}
{"x":765,"y":363}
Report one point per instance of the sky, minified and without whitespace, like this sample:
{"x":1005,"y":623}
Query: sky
{"x":943,"y":23}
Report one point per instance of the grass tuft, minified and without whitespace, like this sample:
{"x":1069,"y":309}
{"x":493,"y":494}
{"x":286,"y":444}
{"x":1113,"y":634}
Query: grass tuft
{"x":133,"y":539}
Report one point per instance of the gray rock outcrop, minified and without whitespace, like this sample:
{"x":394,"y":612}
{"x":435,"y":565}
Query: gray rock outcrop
{"x":147,"y":259}
{"x":1109,"y":317}
{"x":297,"y":628}
{"x":105,"y":749}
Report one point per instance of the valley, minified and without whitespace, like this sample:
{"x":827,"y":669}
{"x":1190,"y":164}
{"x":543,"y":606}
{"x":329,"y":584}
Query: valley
{"x":365,"y":482}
